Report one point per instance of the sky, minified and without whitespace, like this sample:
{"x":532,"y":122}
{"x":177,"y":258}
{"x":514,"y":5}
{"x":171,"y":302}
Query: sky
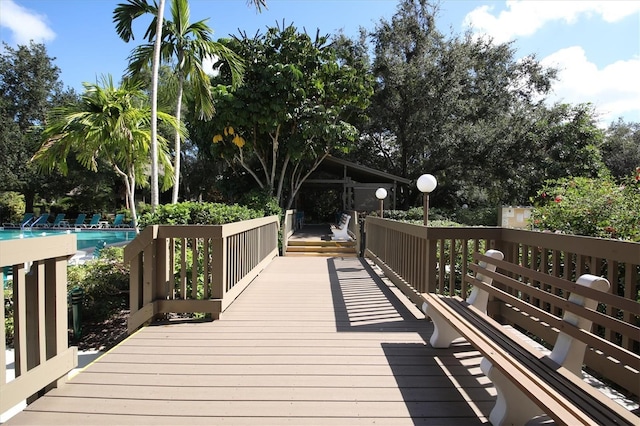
{"x":595,"y":45}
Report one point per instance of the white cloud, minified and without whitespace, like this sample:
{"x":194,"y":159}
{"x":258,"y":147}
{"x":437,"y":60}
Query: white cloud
{"x":207,"y":65}
{"x":524,"y":18}
{"x":613,"y":90}
{"x":24,"y":24}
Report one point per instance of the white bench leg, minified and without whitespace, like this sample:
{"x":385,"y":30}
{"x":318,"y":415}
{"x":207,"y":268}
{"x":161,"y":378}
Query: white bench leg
{"x":567,"y":351}
{"x":512,"y":407}
{"x":443,"y":333}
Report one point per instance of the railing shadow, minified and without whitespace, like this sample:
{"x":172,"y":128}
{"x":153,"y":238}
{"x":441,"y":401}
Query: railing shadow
{"x":364,"y":302}
{"x":438,"y":386}
{"x":441,"y":386}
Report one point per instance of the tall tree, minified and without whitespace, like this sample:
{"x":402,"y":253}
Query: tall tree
{"x":621,"y":148}
{"x":293,"y":110}
{"x":29,"y":86}
{"x":123,"y":17}
{"x":187,"y":45}
{"x":155,"y":75}
{"x":445,"y":104}
{"x":109,"y":123}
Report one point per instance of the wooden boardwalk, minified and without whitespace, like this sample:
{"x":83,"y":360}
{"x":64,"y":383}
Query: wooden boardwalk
{"x":312,"y":341}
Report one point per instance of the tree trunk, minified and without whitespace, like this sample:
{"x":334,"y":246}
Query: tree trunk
{"x":29,"y":199}
{"x":129,"y":180}
{"x":155,"y":190}
{"x":131,"y":195}
{"x":178,"y":147}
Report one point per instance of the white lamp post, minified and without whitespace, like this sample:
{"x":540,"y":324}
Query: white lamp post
{"x":426,"y":184}
{"x":381,"y":194}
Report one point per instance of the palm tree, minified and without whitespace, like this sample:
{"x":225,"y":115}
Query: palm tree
{"x":123,"y":17}
{"x":188,"y":45}
{"x":109,"y":123}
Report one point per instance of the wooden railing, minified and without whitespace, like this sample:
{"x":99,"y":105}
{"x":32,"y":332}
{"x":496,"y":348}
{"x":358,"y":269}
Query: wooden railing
{"x":42,"y":353}
{"x":421,"y":259}
{"x":288,"y":228}
{"x":196,"y":268}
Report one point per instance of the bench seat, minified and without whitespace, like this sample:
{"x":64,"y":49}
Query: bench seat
{"x":531,"y":385}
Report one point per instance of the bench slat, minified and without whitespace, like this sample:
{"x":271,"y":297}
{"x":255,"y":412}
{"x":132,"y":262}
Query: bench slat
{"x":622,"y":303}
{"x":621,"y":354}
{"x":600,"y":318}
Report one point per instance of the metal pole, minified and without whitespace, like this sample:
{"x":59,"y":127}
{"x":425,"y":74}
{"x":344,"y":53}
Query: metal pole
{"x":426,"y":208}
{"x":381,"y":208}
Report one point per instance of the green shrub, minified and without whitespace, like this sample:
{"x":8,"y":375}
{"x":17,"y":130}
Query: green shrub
{"x":105,"y":283}
{"x":259,"y":200}
{"x":597,"y":207}
{"x":8,"y":312}
{"x":480,"y":216}
{"x":413,"y":215}
{"x":194,"y":213}
{"x":11,"y":207}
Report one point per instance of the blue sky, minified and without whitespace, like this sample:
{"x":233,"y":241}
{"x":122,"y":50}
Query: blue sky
{"x":595,"y":44}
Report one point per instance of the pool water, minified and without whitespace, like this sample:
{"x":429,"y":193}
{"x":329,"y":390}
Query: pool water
{"x":85,"y":238}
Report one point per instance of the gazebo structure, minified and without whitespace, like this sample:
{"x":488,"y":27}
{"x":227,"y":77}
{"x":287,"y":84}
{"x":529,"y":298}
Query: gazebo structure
{"x":354,"y":185}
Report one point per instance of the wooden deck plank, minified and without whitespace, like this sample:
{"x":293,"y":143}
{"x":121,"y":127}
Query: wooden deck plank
{"x":197,"y":370}
{"x":267,"y":408}
{"x":300,"y":392}
{"x":310,"y":341}
{"x":41,"y":418}
{"x":266,"y":380}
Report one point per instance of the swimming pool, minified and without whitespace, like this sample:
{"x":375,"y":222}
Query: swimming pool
{"x":86,"y":238}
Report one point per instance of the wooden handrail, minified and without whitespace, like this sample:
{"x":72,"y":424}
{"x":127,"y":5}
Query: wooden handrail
{"x":192,"y":269}
{"x":42,"y":354}
{"x":143,"y":240}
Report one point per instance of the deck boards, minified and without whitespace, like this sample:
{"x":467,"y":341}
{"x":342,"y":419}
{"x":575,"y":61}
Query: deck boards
{"x":311,"y":341}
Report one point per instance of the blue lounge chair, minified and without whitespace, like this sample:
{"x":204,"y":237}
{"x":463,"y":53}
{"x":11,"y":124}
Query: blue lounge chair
{"x":56,"y":222}
{"x":95,"y":221}
{"x":27,"y":218}
{"x":117,"y":221}
{"x":41,"y":222}
{"x":80,"y":220}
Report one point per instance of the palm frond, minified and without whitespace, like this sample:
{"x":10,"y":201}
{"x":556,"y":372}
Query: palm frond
{"x":125,"y":13}
{"x":258,"y":4}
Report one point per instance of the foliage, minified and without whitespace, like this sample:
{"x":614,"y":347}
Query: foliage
{"x":7,"y":305}
{"x":109,"y":123}
{"x":104,"y":282}
{"x":29,"y":86}
{"x":292,"y":110}
{"x":193,"y":213}
{"x":597,"y":207}
{"x":11,"y":207}
{"x":621,"y":148}
{"x":262,"y":201}
{"x":470,"y":112}
{"x":479,"y":216}
{"x":416,"y":215}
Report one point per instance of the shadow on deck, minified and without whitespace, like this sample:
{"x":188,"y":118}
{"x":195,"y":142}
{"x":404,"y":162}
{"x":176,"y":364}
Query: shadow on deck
{"x":318,"y":340}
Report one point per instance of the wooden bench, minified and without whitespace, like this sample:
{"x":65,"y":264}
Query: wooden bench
{"x":341,"y":232}
{"x":531,"y":386}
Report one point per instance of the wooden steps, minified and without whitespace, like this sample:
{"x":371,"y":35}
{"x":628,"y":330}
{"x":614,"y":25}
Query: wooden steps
{"x":321,"y":248}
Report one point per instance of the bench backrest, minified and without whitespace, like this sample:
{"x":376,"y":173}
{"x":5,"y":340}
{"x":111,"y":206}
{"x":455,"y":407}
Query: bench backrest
{"x":522,"y":293}
{"x":569,"y":351}
{"x":478,"y":297}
